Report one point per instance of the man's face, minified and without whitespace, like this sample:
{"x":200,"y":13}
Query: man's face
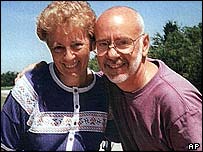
{"x":118,"y":66}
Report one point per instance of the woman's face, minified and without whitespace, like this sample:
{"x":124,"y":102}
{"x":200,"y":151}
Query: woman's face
{"x":70,"y":52}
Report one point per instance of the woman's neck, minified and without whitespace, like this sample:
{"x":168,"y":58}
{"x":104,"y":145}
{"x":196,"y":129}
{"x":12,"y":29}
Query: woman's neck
{"x":76,"y":80}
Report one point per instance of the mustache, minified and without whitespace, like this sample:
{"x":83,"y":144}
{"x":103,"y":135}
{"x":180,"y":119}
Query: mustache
{"x":116,"y":61}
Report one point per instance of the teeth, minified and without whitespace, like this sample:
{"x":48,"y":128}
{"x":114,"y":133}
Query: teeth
{"x":115,"y":66}
{"x":72,"y":65}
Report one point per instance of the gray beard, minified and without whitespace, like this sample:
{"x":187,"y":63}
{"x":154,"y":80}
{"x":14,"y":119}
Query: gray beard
{"x":133,"y":68}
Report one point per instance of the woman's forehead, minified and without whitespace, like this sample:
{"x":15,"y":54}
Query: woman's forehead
{"x":69,"y":32}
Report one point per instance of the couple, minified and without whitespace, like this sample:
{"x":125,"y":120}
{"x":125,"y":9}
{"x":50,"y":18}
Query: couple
{"x":65,"y":106}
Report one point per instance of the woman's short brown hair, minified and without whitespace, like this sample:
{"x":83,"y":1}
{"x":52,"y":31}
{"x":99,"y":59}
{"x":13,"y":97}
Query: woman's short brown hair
{"x":70,"y":13}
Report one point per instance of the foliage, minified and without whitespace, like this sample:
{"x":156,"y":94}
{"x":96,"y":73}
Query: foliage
{"x":170,"y":27}
{"x":181,"y":49}
{"x":7,"y":79}
{"x":93,"y":64}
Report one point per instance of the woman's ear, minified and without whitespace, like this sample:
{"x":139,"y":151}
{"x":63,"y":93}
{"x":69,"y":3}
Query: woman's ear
{"x":146,"y":45}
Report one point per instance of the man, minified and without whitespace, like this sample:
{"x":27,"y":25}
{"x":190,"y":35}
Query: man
{"x":154,"y":107}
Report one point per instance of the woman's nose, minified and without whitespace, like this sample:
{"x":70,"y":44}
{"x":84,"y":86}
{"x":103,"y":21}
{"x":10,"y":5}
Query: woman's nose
{"x":69,"y":55}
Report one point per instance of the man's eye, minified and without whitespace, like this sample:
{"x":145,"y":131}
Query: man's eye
{"x":103,"y":44}
{"x":58,"y":49}
{"x":123,"y":42}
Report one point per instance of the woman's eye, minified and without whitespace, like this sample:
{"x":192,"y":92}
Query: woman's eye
{"x":58,"y":49}
{"x":77,"y":46}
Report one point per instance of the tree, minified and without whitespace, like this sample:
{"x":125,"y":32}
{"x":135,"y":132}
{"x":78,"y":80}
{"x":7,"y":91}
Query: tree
{"x":181,"y":49}
{"x":7,"y":79}
{"x":93,"y":64}
{"x":170,"y":27}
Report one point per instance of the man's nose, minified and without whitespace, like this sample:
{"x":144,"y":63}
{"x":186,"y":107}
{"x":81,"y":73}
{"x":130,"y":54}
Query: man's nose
{"x":112,"y":52}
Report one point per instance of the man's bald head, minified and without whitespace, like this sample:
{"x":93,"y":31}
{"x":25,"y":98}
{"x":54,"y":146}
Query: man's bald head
{"x":120,"y":15}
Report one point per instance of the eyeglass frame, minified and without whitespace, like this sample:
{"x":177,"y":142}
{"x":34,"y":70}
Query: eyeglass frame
{"x":114,"y":46}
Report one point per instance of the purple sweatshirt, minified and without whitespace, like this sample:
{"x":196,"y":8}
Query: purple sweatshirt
{"x":165,"y":115}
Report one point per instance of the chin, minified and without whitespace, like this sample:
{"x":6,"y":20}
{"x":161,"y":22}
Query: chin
{"x":118,"y":79}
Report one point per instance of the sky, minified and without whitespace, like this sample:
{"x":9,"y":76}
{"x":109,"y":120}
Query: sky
{"x":20,"y":45}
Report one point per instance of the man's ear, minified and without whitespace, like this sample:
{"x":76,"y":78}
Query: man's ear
{"x":146,"y":45}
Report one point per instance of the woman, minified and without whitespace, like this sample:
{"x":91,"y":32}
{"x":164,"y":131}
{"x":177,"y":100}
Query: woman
{"x":54,"y":107}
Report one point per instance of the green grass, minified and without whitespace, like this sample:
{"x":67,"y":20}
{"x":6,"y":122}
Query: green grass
{"x":2,"y":100}
{"x":6,"y":88}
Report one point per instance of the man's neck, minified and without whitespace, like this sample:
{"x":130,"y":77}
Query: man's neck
{"x":137,"y":81}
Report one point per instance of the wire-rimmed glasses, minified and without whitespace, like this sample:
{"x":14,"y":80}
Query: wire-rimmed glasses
{"x":122,"y":45}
